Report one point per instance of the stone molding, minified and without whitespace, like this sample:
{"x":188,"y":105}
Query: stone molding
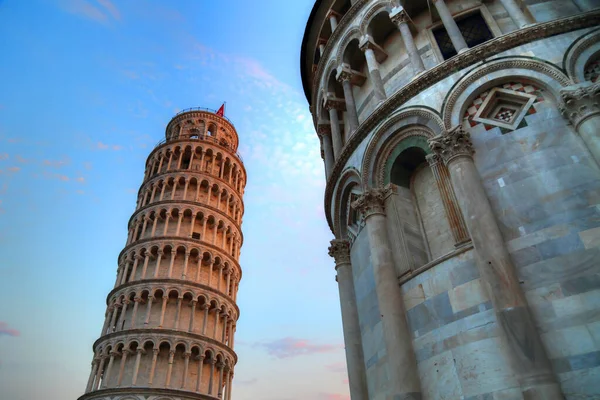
{"x":197,"y":143}
{"x":167,"y":285}
{"x":440,"y":72}
{"x":185,"y":173}
{"x":160,"y":335}
{"x":340,"y":251}
{"x":147,"y":393}
{"x":453,"y":144}
{"x":207,"y":116}
{"x":187,"y":205}
{"x":577,"y":49}
{"x":346,"y":178}
{"x":333,"y":103}
{"x":162,"y":241}
{"x":380,"y":6}
{"x":497,"y":65}
{"x":580,"y":102}
{"x":490,"y":48}
{"x":372,"y":202}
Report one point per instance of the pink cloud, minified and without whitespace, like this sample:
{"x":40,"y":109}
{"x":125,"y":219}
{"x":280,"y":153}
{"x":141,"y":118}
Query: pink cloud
{"x":80,"y":179}
{"x":333,"y":396}
{"x":117,"y":147}
{"x":292,"y":347}
{"x":110,"y":8}
{"x":3,"y":156}
{"x":14,"y":169}
{"x":55,"y":164}
{"x":6,"y":330}
{"x":101,"y":146}
{"x":87,"y":165}
{"x":21,"y":159}
{"x":84,"y":9}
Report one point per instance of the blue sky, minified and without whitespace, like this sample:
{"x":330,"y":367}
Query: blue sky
{"x":86,"y":90}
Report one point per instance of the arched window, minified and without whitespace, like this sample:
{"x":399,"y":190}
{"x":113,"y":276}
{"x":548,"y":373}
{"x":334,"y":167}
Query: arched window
{"x":474,"y":30}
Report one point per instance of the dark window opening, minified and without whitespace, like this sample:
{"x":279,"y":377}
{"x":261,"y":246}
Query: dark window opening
{"x":474,"y":30}
{"x":404,"y":166}
{"x":196,"y":235}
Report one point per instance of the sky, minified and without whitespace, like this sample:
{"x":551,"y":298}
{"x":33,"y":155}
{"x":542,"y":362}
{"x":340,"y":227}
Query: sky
{"x":87,"y":88}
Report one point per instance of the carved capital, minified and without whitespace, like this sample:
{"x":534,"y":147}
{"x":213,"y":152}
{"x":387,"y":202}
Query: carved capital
{"x":330,"y":102}
{"x":434,"y":160}
{"x":580,"y":102}
{"x":453,"y":144}
{"x":324,"y":129}
{"x":372,"y":202}
{"x":398,"y":16}
{"x":340,"y":251}
{"x":344,"y":74}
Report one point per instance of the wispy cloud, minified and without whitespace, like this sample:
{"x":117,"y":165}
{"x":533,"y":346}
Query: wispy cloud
{"x":56,"y":163}
{"x":6,"y":330}
{"x":292,"y":347}
{"x":333,"y":396}
{"x":99,"y":11}
{"x":246,"y":382}
{"x":4,"y":156}
{"x":104,"y":146}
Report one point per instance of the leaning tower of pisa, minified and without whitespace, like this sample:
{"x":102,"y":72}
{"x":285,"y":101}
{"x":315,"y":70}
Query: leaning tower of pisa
{"x":171,"y":316}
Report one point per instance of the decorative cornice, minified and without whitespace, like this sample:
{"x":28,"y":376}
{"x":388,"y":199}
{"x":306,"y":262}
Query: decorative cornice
{"x":580,"y":102}
{"x":438,"y":73}
{"x":372,"y":202}
{"x":453,"y":144}
{"x":340,"y":251}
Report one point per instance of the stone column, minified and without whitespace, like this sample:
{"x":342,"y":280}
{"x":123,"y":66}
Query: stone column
{"x":580,"y":104}
{"x":402,"y":366}
{"x":333,"y":17}
{"x":220,"y":367}
{"x":99,"y":373}
{"x":113,"y":319}
{"x":368,"y":46}
{"x":192,"y":316}
{"x":212,"y":373}
{"x":170,"y":368}
{"x":136,"y":260}
{"x":517,"y":329}
{"x":456,"y":37}
{"x":178,"y":313}
{"x":340,"y":251}
{"x":200,"y":365}
{"x":324,"y":132}
{"x":345,"y":77}
{"x":185,"y":264}
{"x":321,"y":43}
{"x":165,"y":299}
{"x":106,"y":376}
{"x":148,"y":311}
{"x":158,"y":260}
{"x":455,"y":217}
{"x":230,"y":384}
{"x":173,"y":255}
{"x":186,"y":366}
{"x":136,"y":368}
{"x":153,"y":366}
{"x":336,"y":132}
{"x":121,"y":322}
{"x":145,"y":267}
{"x":516,"y":14}
{"x":205,"y":307}
{"x":217,"y":313}
{"x":136,"y":304}
{"x":107,"y":318}
{"x":124,"y":355}
{"x":90,"y":383}
{"x":400,"y":17}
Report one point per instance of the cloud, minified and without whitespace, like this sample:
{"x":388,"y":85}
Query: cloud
{"x":5,"y":330}
{"x":14,"y":169}
{"x":87,"y":165}
{"x":110,"y":8}
{"x":80,"y":179}
{"x":338,"y":367}
{"x":246,"y":382}
{"x":333,"y":396}
{"x":21,"y":160}
{"x":3,"y":156}
{"x":56,"y":164}
{"x":292,"y":347}
{"x":85,"y":9}
{"x":60,"y":177}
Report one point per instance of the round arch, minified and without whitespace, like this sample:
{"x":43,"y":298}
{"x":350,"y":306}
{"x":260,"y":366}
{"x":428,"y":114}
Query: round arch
{"x":499,"y":71}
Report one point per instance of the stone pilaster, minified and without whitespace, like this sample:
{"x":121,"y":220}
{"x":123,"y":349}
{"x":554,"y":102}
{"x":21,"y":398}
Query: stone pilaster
{"x":340,"y":251}
{"x":334,"y":105}
{"x":580,"y":104}
{"x":522,"y":341}
{"x":402,"y":366}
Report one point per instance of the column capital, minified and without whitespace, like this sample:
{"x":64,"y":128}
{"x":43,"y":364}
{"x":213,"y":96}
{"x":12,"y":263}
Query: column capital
{"x":368,"y":43}
{"x":340,"y":251}
{"x":330,"y":102}
{"x":346,"y":74}
{"x":452,"y":144}
{"x":398,"y":15}
{"x":434,"y":159}
{"x":372,"y":201}
{"x":333,"y":13}
{"x":580,"y":102}
{"x":324,"y":129}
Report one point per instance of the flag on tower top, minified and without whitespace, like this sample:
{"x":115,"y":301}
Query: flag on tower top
{"x":221,"y":111}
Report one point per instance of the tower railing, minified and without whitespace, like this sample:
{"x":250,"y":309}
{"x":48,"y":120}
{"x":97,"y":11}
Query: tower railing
{"x":210,"y":110}
{"x":204,"y":138}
